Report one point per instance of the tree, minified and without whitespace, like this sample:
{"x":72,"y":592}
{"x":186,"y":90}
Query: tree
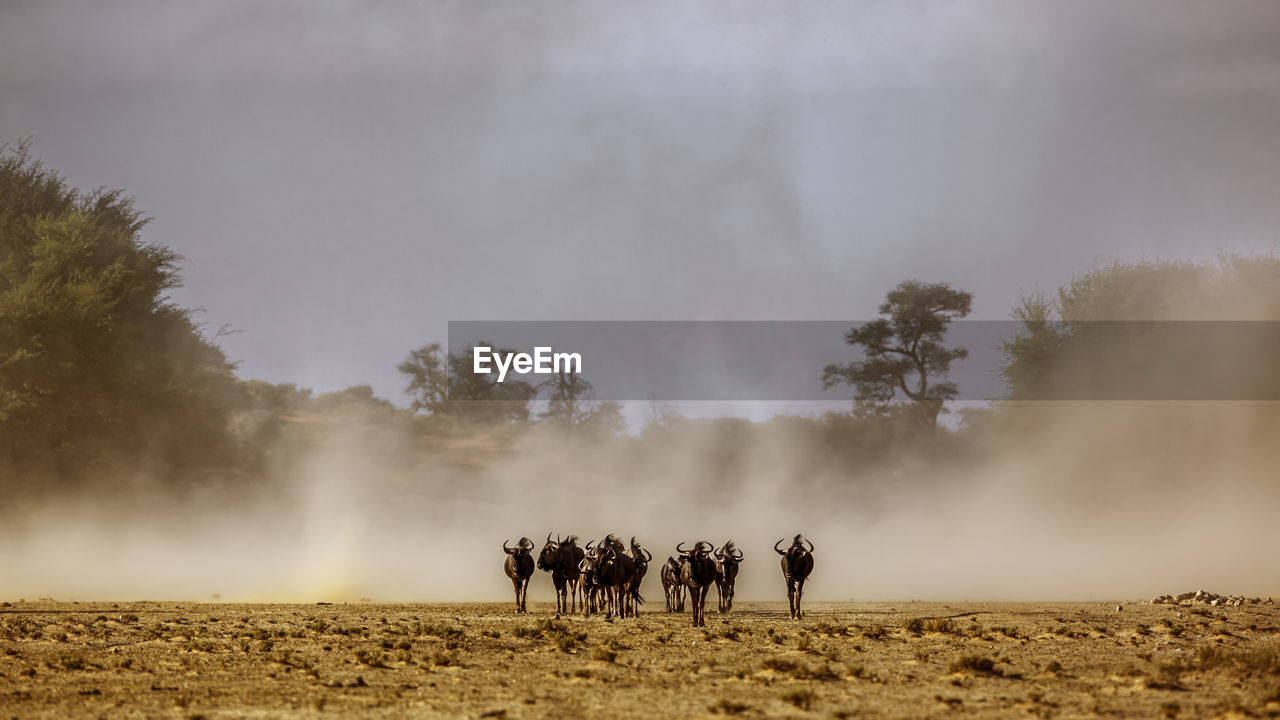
{"x":1114,"y":332}
{"x":569,"y":398}
{"x":571,"y":405}
{"x":904,"y":352}
{"x":1028,"y":354}
{"x":101,"y":375}
{"x":445,"y":384}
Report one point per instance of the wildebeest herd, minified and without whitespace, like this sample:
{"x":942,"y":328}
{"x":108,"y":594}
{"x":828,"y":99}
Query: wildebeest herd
{"x":604,"y":577}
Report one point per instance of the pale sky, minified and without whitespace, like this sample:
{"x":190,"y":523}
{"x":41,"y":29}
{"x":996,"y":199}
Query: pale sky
{"x":345,"y":178}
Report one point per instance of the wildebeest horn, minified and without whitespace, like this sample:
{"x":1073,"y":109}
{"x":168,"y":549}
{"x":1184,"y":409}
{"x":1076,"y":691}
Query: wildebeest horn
{"x":810,"y":544}
{"x":548,"y":538}
{"x":526,"y":543}
{"x":720,"y":553}
{"x":588,"y":547}
{"x":737,"y":553}
{"x":775,"y":547}
{"x":504,"y":547}
{"x":704,"y":542}
{"x":680,"y":548}
{"x":648,"y":555}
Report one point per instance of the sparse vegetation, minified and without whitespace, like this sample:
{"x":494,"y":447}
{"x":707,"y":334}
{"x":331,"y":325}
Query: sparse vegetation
{"x":974,"y":665}
{"x":396,"y":655}
{"x":726,"y":706}
{"x":800,"y":697}
{"x":939,"y":625}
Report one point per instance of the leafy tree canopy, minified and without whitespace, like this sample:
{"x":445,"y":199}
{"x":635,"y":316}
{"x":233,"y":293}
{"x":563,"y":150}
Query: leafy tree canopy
{"x":905,"y":356}
{"x":99,"y":371}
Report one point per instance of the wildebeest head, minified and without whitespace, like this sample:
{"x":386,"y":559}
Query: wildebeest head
{"x":700,"y":550}
{"x":797,"y":561}
{"x":524,"y":547}
{"x":520,"y":562}
{"x":613,"y":544}
{"x":642,"y":556}
{"x":549,"y":558}
{"x":589,"y":567}
{"x":697,"y":567}
{"x":728,"y":557}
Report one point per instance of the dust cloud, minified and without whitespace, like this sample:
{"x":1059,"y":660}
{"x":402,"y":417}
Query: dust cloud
{"x":1050,"y":501}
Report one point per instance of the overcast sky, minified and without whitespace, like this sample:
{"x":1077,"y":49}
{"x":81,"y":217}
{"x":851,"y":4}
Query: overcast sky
{"x":344,"y":178}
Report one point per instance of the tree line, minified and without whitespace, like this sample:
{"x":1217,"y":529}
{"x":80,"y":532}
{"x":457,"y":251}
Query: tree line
{"x":102,"y":374}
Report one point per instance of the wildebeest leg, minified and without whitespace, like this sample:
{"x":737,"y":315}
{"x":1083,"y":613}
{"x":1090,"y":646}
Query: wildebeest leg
{"x":515,"y":583}
{"x":573,"y":595}
{"x":791,"y":597}
{"x":799,"y":595}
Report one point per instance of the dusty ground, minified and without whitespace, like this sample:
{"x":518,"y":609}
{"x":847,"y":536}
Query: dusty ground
{"x":907,"y":660}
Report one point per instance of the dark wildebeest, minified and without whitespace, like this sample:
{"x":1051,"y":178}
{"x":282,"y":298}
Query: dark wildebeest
{"x":728,"y":558}
{"x":519,"y":567}
{"x":561,"y":558}
{"x":697,"y":573}
{"x":797,"y":563}
{"x":672,"y":585}
{"x":641,"y":558}
{"x":590,"y":573}
{"x":615,"y":570}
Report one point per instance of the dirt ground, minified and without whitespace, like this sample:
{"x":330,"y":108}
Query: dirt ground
{"x":891,"y":660}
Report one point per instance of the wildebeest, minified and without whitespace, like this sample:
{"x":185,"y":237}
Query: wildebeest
{"x":615,"y":570}
{"x":641,"y":558}
{"x":519,"y":567}
{"x":590,"y":581}
{"x":561,"y":558}
{"x":697,"y":574}
{"x":672,"y":585}
{"x":728,"y":558}
{"x":797,"y":563}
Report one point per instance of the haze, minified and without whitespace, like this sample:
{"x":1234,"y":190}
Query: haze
{"x":343,"y":179}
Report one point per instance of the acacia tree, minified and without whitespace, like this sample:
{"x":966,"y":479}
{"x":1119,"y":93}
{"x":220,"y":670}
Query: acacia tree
{"x":905,"y":357}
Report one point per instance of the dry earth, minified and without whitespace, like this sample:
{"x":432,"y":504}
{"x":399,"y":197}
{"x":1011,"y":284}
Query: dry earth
{"x":893,"y":660}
